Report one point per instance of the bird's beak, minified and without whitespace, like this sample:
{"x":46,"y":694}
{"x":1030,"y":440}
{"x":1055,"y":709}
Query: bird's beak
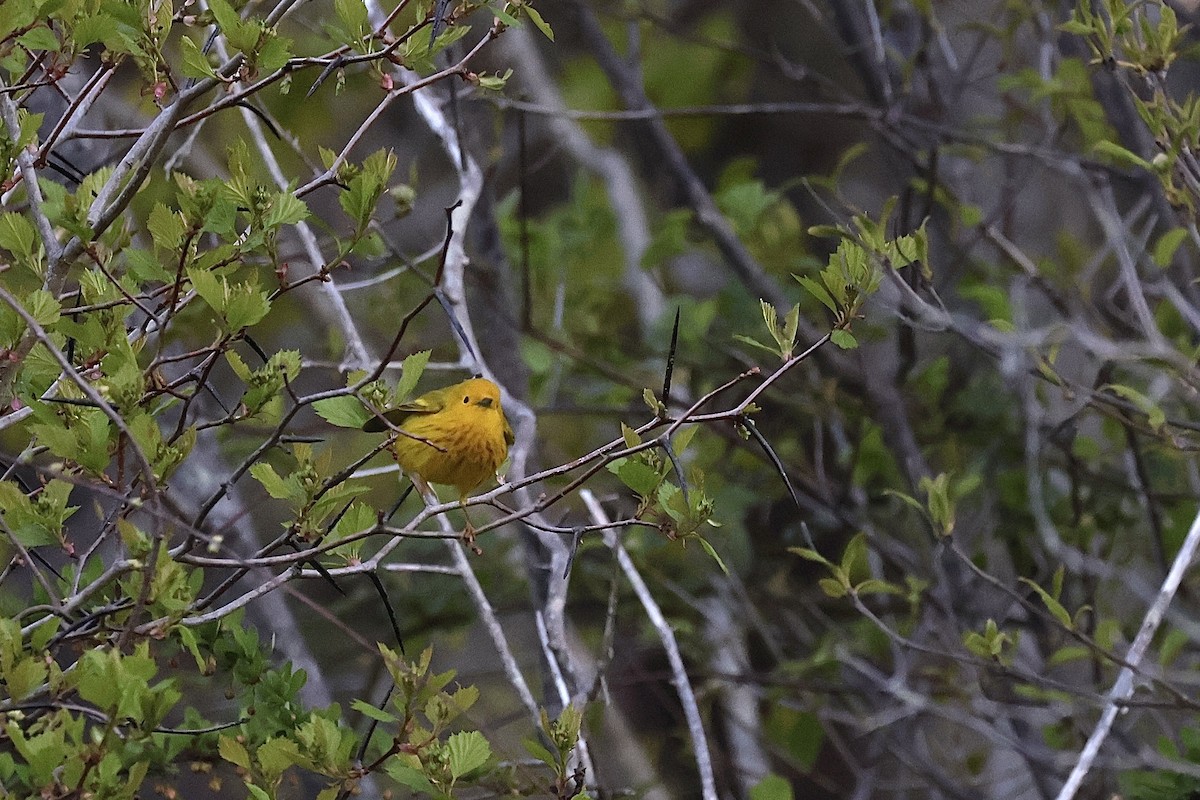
{"x":486,"y":402}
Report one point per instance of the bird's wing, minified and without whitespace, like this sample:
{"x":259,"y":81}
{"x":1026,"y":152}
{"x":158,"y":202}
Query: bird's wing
{"x":425,"y":404}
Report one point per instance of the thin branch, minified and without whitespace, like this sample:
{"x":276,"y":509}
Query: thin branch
{"x":679,"y":679}
{"x":1123,"y":688}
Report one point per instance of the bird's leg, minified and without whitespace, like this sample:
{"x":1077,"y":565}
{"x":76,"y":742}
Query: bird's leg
{"x":430,"y":497}
{"x":468,"y":534}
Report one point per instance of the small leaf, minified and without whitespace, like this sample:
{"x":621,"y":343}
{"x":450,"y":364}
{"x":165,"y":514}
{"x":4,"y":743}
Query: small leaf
{"x":1167,"y":244}
{"x":539,"y":752}
{"x":631,"y":437}
{"x":345,"y":412}
{"x":854,"y":558}
{"x":755,"y":343}
{"x":17,"y":235}
{"x":1122,"y":155}
{"x":1155,"y":416}
{"x":468,"y":751}
{"x":843,"y":339}
{"x":818,"y":291}
{"x":412,"y":778}
{"x":233,"y":751}
{"x":285,"y":209}
{"x":876,"y":586}
{"x":772,"y":787}
{"x":195,"y":64}
{"x":538,"y":22}
{"x":368,"y":710}
{"x":1056,"y":609}
{"x":277,"y":755}
{"x":708,"y":548}
{"x":637,"y":475}
{"x":832,"y":588}
{"x":650,"y":400}
{"x":410,"y":373}
{"x":1069,"y":653}
{"x":276,"y":486}
{"x":811,"y":555}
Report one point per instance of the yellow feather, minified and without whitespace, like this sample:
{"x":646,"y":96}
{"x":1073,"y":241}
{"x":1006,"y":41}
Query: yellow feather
{"x":458,"y":435}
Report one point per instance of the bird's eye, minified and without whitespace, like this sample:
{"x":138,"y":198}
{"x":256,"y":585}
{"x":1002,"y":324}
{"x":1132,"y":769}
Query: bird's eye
{"x":466,"y":399}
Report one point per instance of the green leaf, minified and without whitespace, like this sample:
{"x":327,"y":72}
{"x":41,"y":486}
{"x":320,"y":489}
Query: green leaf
{"x":538,"y":22}
{"x":798,"y":735}
{"x":772,"y":787}
{"x":365,"y":188}
{"x":233,"y":751}
{"x":24,"y":677}
{"x":468,"y":751}
{"x":43,"y":307}
{"x":941,"y":505}
{"x":285,"y":209}
{"x":631,"y":437}
{"x":854,"y":558}
{"x":224,"y":14}
{"x":1067,"y":654}
{"x":636,"y":474}
{"x":273,"y":52}
{"x":410,"y":373}
{"x":656,"y":407}
{"x":708,"y":548}
{"x":195,"y":64}
{"x":408,"y":776}
{"x":909,"y":500}
{"x":187,"y":637}
{"x":494,"y":83}
{"x":465,"y":697}
{"x":505,"y":17}
{"x":17,"y":235}
{"x":1121,"y":155}
{"x":1167,"y":244}
{"x":39,"y":38}
{"x":210,"y":288}
{"x":843,"y":339}
{"x":276,"y":486}
{"x":832,"y":588}
{"x":239,"y":365}
{"x":1155,"y":416}
{"x":16,"y":15}
{"x":276,"y":755}
{"x":1056,"y":609}
{"x":346,"y":411}
{"x":684,"y":438}
{"x":818,"y":291}
{"x":247,"y":306}
{"x":370,"y":711}
{"x":755,"y":343}
{"x":353,"y":15}
{"x":359,"y":517}
{"x":811,"y":555}
{"x":877,"y":586}
{"x":535,"y":749}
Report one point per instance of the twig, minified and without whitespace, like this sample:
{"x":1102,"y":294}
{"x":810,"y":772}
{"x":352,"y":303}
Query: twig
{"x":1124,"y":686}
{"x":679,"y":679}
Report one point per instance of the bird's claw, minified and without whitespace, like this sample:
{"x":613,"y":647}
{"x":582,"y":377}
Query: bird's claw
{"x":468,"y":537}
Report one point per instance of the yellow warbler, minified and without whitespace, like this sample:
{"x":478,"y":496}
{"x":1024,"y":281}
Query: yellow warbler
{"x":461,"y":437}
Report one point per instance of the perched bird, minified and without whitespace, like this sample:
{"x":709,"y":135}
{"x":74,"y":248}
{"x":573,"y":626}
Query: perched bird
{"x":457,"y":436}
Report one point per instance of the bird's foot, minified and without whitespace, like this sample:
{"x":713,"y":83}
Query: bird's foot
{"x":468,"y":537}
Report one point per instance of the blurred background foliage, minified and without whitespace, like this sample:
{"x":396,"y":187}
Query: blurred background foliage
{"x":935,"y":538}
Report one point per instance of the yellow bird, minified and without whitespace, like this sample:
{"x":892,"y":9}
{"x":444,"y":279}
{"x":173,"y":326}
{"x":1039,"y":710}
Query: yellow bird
{"x":457,"y":436}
